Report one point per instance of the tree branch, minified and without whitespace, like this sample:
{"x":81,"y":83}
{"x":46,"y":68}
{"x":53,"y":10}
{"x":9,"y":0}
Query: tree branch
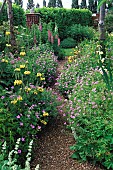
{"x":1,"y":9}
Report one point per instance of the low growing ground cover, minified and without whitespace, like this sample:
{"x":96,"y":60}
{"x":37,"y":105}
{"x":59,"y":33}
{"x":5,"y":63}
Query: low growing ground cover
{"x":87,"y":83}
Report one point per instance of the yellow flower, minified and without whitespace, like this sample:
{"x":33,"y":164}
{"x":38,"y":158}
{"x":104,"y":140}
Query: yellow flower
{"x":45,"y":114}
{"x":27,"y":72}
{"x":40,"y":89}
{"x":7,"y":33}
{"x":8,"y":45}
{"x":19,"y":98}
{"x":35,"y":92}
{"x":22,"y":66}
{"x":27,"y":89}
{"x":39,"y":74}
{"x":17,"y":69}
{"x":22,"y":53}
{"x":14,"y":101}
{"x":42,"y":78}
{"x":17,"y":82}
{"x":44,"y":122}
{"x":4,"y":61}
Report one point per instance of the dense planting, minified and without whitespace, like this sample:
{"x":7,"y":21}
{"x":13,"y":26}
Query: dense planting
{"x":87,"y":83}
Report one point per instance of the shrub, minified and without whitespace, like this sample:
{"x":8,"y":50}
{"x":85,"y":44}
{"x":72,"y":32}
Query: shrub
{"x":79,"y":32}
{"x":91,"y":119}
{"x":68,"y":43}
{"x":18,"y":14}
{"x":109,"y":22}
{"x":65,"y":18}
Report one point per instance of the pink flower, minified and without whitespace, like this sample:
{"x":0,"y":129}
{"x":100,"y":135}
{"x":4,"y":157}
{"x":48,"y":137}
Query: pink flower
{"x":58,"y":41}
{"x":22,"y":139}
{"x":19,"y":151}
{"x":21,"y":124}
{"x":49,"y":35}
{"x":32,"y":126}
{"x":39,"y":127}
{"x":18,"y":117}
{"x":52,"y":39}
{"x":40,"y":27}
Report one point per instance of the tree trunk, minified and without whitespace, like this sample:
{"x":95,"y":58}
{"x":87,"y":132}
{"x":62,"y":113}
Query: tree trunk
{"x":101,"y":22}
{"x":10,"y":17}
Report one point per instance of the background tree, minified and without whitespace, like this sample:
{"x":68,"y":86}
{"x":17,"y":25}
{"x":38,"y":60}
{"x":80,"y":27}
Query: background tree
{"x":52,"y":3}
{"x":44,"y":3}
{"x":91,"y":4}
{"x":75,"y":4}
{"x":37,"y":5}
{"x":83,"y":4}
{"x":59,"y":3}
{"x":19,"y":2}
{"x":30,"y":4}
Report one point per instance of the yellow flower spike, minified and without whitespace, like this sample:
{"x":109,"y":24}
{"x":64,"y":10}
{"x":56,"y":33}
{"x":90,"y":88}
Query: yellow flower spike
{"x":4,"y":61}
{"x":42,"y":78}
{"x":8,"y":45}
{"x":44,"y":122}
{"x":22,"y":53}
{"x":14,"y":101}
{"x":39,"y":74}
{"x":17,"y":82}
{"x":17,"y":69}
{"x":7,"y":33}
{"x":27,"y":89}
{"x":27,"y":72}
{"x":40,"y":89}
{"x":22,"y":66}
{"x":45,"y":114}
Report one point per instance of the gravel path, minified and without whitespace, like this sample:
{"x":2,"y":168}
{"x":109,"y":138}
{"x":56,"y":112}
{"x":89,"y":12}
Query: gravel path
{"x":52,"y":148}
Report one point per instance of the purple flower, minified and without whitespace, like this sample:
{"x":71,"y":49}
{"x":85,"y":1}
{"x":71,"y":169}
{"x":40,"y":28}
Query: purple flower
{"x":21,"y":124}
{"x":32,"y":126}
{"x":19,"y":151}
{"x":39,"y":127}
{"x":22,"y":139}
{"x":2,"y":97}
{"x":18,"y":117}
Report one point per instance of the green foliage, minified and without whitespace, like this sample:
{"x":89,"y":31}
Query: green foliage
{"x":18,"y":13}
{"x":68,"y":43}
{"x":79,"y":32}
{"x":19,"y":2}
{"x":109,"y":22}
{"x":84,"y":81}
{"x":25,"y":105}
{"x":3,"y":15}
{"x":65,"y":18}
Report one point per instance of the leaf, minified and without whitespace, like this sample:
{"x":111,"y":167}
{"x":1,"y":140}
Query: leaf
{"x":100,"y":2}
{"x":74,"y":156}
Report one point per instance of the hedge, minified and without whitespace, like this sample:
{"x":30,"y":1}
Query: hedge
{"x":65,"y":17}
{"x":18,"y":14}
